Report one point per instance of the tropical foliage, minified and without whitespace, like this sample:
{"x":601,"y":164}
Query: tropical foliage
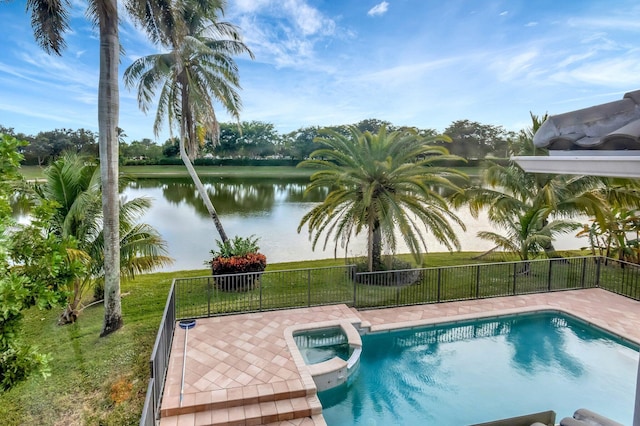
{"x":619,"y":237}
{"x":237,"y":246}
{"x":73,"y":185}
{"x":382,"y":183}
{"x":533,"y":208}
{"x":198,"y":70}
{"x":528,"y":233}
{"x":34,"y":271}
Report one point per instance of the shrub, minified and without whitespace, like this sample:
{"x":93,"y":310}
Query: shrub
{"x":238,"y":256}
{"x":237,"y":246}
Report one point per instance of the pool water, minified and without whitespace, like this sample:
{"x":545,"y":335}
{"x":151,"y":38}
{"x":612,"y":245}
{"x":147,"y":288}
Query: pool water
{"x":486,"y":370}
{"x":322,"y":345}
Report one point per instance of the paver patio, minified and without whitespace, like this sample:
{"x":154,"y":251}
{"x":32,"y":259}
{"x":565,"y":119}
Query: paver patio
{"x":239,"y":369}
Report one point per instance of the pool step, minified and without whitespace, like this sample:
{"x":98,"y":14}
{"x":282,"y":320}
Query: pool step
{"x":293,"y":411}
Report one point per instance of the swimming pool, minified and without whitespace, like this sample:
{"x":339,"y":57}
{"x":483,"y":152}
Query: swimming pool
{"x":472,"y":372}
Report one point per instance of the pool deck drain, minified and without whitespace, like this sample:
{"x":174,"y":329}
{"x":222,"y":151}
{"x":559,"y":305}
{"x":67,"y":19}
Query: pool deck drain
{"x":239,"y":369}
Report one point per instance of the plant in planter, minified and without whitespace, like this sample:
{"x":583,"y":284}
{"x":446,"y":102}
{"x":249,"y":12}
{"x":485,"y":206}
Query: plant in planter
{"x":238,"y":256}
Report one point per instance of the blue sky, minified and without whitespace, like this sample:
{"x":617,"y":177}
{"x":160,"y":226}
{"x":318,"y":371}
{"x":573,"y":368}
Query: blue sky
{"x":422,"y":63}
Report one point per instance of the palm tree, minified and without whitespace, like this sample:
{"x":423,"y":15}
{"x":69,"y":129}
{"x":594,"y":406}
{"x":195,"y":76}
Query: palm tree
{"x":198,"y":70}
{"x":511,"y":195}
{"x":50,"y":21}
{"x":73,"y":182}
{"x":528,"y":233}
{"x":382,"y":183}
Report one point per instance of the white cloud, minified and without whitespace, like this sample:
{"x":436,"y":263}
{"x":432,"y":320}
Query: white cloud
{"x":512,"y":67}
{"x":379,"y":9}
{"x":309,"y":20}
{"x":610,"y":23}
{"x":402,"y":73}
{"x":531,"y":24}
{"x":619,"y":72}
{"x":505,"y":13}
{"x":284,"y":33}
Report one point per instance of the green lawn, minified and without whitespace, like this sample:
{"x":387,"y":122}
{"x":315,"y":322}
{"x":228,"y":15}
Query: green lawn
{"x":35,"y":172}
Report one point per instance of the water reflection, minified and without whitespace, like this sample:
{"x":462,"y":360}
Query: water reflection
{"x":270,"y":209}
{"x":489,"y":368}
{"x":233,"y":196}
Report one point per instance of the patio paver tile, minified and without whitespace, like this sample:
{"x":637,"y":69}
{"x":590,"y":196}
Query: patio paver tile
{"x":246,"y":358}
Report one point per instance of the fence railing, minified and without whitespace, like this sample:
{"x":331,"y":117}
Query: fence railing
{"x":210,"y":296}
{"x":159,"y":361}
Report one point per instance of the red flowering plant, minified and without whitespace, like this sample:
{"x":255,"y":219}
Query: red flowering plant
{"x":238,"y":256}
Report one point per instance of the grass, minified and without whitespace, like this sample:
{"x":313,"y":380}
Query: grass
{"x":261,"y":172}
{"x":103,"y":380}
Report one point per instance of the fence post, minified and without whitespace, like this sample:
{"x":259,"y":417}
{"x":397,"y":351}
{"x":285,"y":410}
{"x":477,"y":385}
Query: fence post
{"x":584,"y":272}
{"x":549,"y":276}
{"x":439,"y":282}
{"x":477,"y":281}
{"x":598,"y":262}
{"x":308,"y":287}
{"x":352,"y":277}
{"x":515,"y":276}
{"x":209,"y":291}
{"x":260,"y":297}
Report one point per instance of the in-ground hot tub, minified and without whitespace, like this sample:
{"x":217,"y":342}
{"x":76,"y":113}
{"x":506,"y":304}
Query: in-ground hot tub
{"x":329,"y":352}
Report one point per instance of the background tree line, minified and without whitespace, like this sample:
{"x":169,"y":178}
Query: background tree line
{"x":256,"y":140}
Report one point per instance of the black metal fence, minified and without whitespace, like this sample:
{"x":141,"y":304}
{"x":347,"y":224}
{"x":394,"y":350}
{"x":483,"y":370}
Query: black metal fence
{"x":159,"y":361}
{"x":210,"y":296}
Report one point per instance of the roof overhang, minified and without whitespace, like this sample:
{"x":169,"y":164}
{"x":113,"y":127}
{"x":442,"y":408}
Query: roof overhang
{"x":594,"y":165}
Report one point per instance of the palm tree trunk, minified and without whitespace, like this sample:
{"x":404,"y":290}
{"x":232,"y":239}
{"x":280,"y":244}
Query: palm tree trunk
{"x":108,"y":110}
{"x":550,"y":251}
{"x":374,"y":246}
{"x":377,"y":246}
{"x":203,"y":192}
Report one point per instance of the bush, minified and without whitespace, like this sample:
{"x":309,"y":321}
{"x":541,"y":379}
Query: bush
{"x":238,"y":256}
{"x":238,"y":246}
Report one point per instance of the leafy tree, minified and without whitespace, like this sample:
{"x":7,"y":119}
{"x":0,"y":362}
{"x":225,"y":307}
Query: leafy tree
{"x":258,"y":138}
{"x":474,"y":140}
{"x":73,"y":184}
{"x":381,"y":183}
{"x":300,"y":142}
{"x":33,"y":272}
{"x":171,"y":148}
{"x":144,"y":149}
{"x":373,"y":125}
{"x":198,"y":70}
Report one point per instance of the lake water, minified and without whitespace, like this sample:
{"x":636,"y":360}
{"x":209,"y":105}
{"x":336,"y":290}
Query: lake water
{"x":269,"y":209}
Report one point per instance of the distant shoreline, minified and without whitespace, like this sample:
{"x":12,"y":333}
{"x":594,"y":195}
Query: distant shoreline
{"x":258,"y":172}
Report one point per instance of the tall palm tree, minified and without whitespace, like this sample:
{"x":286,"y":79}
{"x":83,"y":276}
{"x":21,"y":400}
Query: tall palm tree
{"x":198,"y":70}
{"x":382,"y":183}
{"x":50,"y":21}
{"x":73,"y":182}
